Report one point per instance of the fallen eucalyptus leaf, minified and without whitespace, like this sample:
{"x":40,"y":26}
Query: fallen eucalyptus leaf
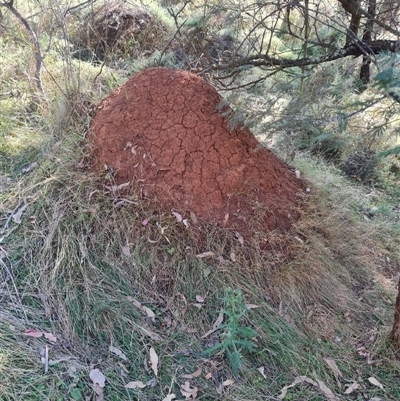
{"x":351,"y":388}
{"x":215,"y":326}
{"x":125,"y":250}
{"x":189,"y":392}
{"x":178,"y":217}
{"x":193,"y":375}
{"x":261,"y":370}
{"x":252,"y":306}
{"x":375,"y":382}
{"x":97,"y":377}
{"x":205,"y":255}
{"x":117,"y":352}
{"x":133,"y":385}
{"x":332,"y":364}
{"x":18,"y":214}
{"x":169,"y":397}
{"x":239,"y":237}
{"x":154,"y":361}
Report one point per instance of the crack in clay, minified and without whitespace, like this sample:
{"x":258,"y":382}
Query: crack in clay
{"x":194,"y":162}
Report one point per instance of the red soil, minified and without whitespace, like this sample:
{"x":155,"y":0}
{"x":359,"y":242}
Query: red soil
{"x":162,"y":131}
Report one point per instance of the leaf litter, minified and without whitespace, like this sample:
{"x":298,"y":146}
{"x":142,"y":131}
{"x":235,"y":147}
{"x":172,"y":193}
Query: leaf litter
{"x":154,"y":361}
{"x":215,"y":326}
{"x":190,"y":393}
{"x":118,"y":352}
{"x":319,"y":384}
{"x":99,"y":382}
{"x":193,"y":375}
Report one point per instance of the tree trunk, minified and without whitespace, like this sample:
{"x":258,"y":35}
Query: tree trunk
{"x":367,"y":37}
{"x":395,"y":334}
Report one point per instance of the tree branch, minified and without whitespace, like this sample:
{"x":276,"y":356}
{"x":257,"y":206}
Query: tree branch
{"x":35,"y":41}
{"x":355,"y":49}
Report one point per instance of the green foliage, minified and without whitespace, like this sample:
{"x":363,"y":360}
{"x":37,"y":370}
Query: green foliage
{"x":234,"y":336}
{"x":393,"y":151}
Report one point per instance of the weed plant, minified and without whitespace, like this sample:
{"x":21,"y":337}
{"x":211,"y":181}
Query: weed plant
{"x":234,"y":336}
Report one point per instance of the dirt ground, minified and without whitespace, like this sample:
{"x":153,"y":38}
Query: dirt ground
{"x":163,"y":131}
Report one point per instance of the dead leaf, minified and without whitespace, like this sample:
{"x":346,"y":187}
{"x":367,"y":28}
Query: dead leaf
{"x":18,"y":214}
{"x":332,"y":364}
{"x":125,"y":250}
{"x":261,"y":370}
{"x":185,"y":222}
{"x":189,"y":392}
{"x":50,"y":337}
{"x":208,"y":254}
{"x":222,"y":260}
{"x":252,"y":306}
{"x":326,"y":391}
{"x":124,"y":369}
{"x":375,"y":382}
{"x":117,"y":352}
{"x":178,"y":217}
{"x":99,"y":392}
{"x":215,"y":326}
{"x":194,"y":218}
{"x":351,"y":388}
{"x":304,"y":379}
{"x":116,"y":188}
{"x":154,"y":361}
{"x":97,"y":377}
{"x":134,"y":385}
{"x":29,"y":167}
{"x":37,"y":334}
{"x":239,"y":237}
{"x":199,"y":298}
{"x":149,"y":313}
{"x":225,"y":221}
{"x":33,"y":333}
{"x":227,"y":383}
{"x":169,"y":397}
{"x":219,"y":388}
{"x":135,"y":302}
{"x":192,"y":375}
{"x":143,"y":308}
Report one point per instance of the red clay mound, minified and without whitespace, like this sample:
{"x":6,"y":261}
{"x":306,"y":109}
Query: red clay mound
{"x":162,"y":132}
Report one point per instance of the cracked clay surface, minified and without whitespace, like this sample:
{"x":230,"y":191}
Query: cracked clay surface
{"x":162,"y":132}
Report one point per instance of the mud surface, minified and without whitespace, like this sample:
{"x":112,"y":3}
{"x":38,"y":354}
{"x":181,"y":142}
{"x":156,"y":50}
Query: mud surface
{"x":163,"y":132}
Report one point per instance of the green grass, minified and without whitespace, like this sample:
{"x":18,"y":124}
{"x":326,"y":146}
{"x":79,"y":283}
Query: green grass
{"x":65,"y":270}
{"x":74,"y":280}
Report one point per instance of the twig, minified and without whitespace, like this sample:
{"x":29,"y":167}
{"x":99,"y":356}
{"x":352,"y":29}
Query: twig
{"x":3,"y":230}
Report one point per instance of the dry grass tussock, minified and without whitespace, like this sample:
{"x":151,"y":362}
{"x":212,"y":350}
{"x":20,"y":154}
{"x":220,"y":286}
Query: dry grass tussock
{"x":84,"y":249}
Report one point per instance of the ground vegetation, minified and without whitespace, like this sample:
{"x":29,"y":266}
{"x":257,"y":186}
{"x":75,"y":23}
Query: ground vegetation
{"x":106,"y":296}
